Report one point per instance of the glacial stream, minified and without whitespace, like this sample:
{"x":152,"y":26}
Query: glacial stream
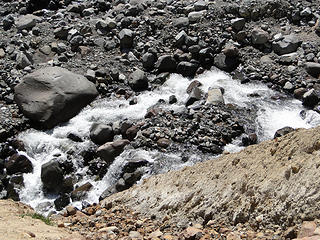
{"x":42,"y":146}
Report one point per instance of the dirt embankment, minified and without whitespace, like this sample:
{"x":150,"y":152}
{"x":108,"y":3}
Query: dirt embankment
{"x":16,"y":223}
{"x":275,"y":183}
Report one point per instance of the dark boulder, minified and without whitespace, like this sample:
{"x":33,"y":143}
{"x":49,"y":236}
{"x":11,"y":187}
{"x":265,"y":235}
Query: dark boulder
{"x":310,"y":98}
{"x":283,"y":131}
{"x":226,"y":63}
{"x":166,"y":63}
{"x":52,"y":176}
{"x":80,"y":192}
{"x":131,"y":132}
{"x":74,"y":137}
{"x":288,"y":44}
{"x":62,"y":201}
{"x":173,"y":99}
{"x":187,"y":69}
{"x":109,"y":151}
{"x":126,"y":38}
{"x":101,"y":133}
{"x":52,"y":95}
{"x":133,"y":164}
{"x":312,"y":68}
{"x":138,"y":81}
{"x":148,"y":61}
{"x":15,"y":183}
{"x":249,"y":139}
{"x":18,"y":163}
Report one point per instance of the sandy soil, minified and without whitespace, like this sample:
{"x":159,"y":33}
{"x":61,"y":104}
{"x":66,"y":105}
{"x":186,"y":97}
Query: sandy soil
{"x":16,"y":225}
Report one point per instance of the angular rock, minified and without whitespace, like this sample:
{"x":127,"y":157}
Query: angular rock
{"x":238,"y":23}
{"x":148,"y":60}
{"x":259,"y":36}
{"x":27,"y":21}
{"x":138,"y":80}
{"x":23,"y":60}
{"x":312,"y":68}
{"x":187,"y":69}
{"x":52,"y":176}
{"x":126,"y":38}
{"x":195,"y":95}
{"x":101,"y":133}
{"x":192,"y":85}
{"x":108,"y":192}
{"x":18,"y":163}
{"x":283,"y":131}
{"x":215,"y":96}
{"x":53,"y":95}
{"x":62,"y":201}
{"x":166,"y":63}
{"x":109,"y":151}
{"x":310,"y":98}
{"x":226,"y":63}
{"x":8,"y":22}
{"x":180,"y":38}
{"x":80,"y":192}
{"x":288,"y":44}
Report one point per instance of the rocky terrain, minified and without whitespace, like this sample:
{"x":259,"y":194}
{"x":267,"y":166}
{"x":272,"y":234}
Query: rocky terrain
{"x":272,"y":193}
{"x":56,"y":57}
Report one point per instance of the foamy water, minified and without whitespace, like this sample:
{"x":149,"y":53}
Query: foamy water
{"x":41,"y":147}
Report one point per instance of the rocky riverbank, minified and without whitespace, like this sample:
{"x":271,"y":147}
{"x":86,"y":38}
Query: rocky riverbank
{"x":271,"y":194}
{"x":57,"y":56}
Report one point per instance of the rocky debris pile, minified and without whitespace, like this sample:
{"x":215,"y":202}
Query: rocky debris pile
{"x":12,"y":121}
{"x":207,"y":128}
{"x":263,"y":190}
{"x":96,"y":222}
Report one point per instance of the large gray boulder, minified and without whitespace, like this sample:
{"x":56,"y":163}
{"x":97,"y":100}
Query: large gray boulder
{"x":53,"y":95}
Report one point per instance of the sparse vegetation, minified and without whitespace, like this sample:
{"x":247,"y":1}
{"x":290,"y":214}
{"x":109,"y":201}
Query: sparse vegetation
{"x":44,"y":219}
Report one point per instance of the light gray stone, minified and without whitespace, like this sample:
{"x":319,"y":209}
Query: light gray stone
{"x":52,"y":95}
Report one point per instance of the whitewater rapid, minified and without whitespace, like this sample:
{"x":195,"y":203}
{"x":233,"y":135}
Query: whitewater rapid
{"x":42,"y":146}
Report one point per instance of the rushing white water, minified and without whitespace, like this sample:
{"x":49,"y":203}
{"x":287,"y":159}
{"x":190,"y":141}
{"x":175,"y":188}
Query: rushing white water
{"x":43,"y":146}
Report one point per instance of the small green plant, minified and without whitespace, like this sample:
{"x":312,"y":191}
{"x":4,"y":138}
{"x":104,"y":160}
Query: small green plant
{"x":44,"y":219}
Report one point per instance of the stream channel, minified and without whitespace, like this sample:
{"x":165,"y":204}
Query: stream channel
{"x":42,"y":146}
